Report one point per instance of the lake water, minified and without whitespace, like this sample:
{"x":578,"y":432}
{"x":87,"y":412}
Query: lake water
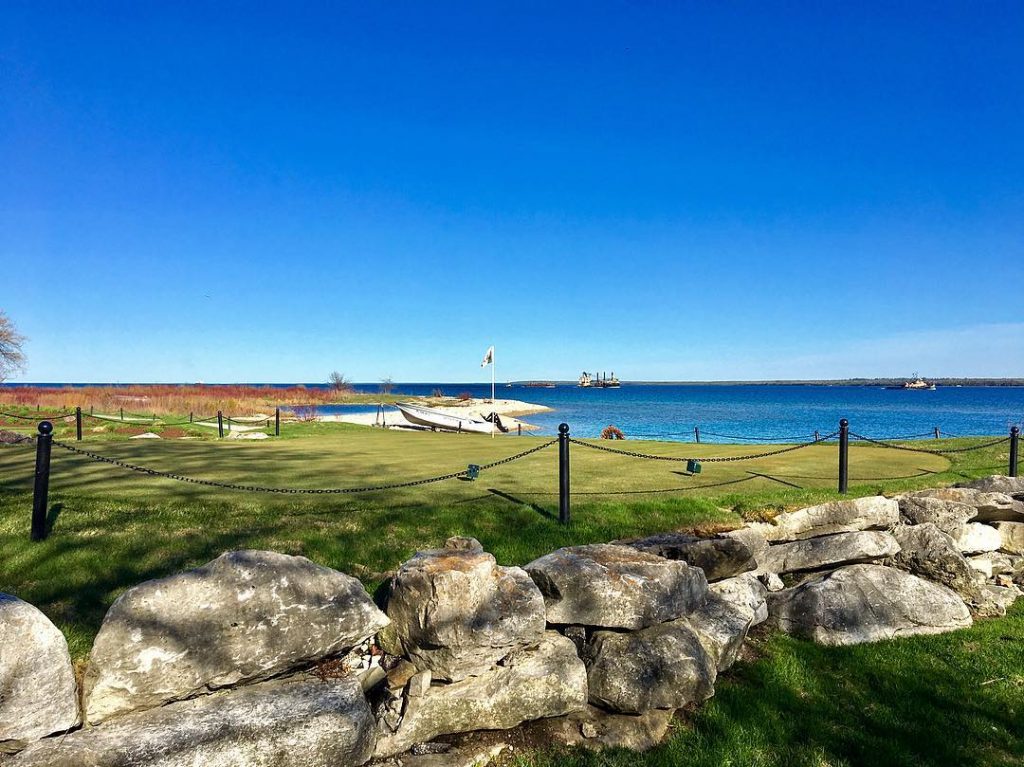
{"x":728,"y":413}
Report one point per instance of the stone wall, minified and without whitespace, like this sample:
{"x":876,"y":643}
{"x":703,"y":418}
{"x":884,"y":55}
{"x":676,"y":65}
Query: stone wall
{"x":259,"y":658}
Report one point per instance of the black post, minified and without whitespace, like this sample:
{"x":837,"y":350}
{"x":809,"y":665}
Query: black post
{"x":696,"y":433}
{"x":519,"y":430}
{"x":563,"y":473}
{"x":190,"y":417}
{"x":936,"y":432}
{"x":817,"y":436}
{"x":41,"y":491}
{"x":90,"y":409}
{"x":1014,"y":443}
{"x":844,"y":457}
{"x":220,"y":424}
{"x":78,"y":424}
{"x":122,"y":414}
{"x":277,"y":422}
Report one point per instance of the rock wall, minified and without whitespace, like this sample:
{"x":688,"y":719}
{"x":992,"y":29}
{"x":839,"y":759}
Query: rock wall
{"x":264,"y":659}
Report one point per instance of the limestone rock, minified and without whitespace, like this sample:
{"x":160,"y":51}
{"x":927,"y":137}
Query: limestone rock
{"x":246,"y":615}
{"x":871,"y":513}
{"x":866,"y":603}
{"x":751,"y":538}
{"x":663,"y":666}
{"x":1012,"y":486}
{"x":299,"y":722}
{"x":930,"y":553}
{"x":548,"y":680}
{"x":948,"y":516}
{"x":746,"y":592}
{"x":615,"y":586}
{"x":994,"y":601}
{"x":595,"y":728}
{"x":977,"y":538}
{"x":1011,"y":536}
{"x":991,"y":564}
{"x":719,"y":557}
{"x":721,"y":626}
{"x":991,"y":507}
{"x":38,"y":695}
{"x":456,"y":612}
{"x":830,"y":551}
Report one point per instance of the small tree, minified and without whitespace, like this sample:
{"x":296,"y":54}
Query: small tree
{"x":339,"y":383}
{"x":387,"y":385}
{"x":12,"y":358}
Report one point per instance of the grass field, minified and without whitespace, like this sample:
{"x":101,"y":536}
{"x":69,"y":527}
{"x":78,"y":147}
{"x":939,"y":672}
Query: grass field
{"x":112,"y":528}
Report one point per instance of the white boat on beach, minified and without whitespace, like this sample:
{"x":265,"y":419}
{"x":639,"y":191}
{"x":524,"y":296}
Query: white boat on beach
{"x":436,"y":419}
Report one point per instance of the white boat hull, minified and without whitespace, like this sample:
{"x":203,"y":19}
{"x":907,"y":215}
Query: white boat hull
{"x":435,"y":419}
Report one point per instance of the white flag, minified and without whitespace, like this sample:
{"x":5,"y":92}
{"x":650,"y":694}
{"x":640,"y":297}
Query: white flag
{"x":488,"y":358}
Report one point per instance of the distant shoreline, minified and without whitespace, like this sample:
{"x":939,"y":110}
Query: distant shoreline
{"x":855,"y":382}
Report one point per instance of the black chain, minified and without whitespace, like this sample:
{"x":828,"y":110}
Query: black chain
{"x":711,"y":459}
{"x":289,"y":490}
{"x":37,"y":418}
{"x":880,"y":443}
{"x":757,"y":439}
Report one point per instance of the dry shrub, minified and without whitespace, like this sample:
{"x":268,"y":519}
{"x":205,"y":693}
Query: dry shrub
{"x":464,"y":396}
{"x":612,"y":432}
{"x":173,"y":432}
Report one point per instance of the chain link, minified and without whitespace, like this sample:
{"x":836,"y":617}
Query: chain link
{"x":37,"y":418}
{"x":946,"y":451}
{"x":290,"y":490}
{"x":710,"y":459}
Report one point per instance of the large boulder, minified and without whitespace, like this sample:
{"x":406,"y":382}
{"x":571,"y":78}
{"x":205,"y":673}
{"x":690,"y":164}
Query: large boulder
{"x":721,"y":626}
{"x":1011,"y":537}
{"x":301,"y":722}
{"x":745,"y":592}
{"x":994,"y":601}
{"x":246,"y":615}
{"x":719,"y":557}
{"x":615,"y":586}
{"x":930,"y":553}
{"x":38,"y":695}
{"x":663,"y":666}
{"x":991,"y":507}
{"x":829,"y":551}
{"x":978,"y":538}
{"x":595,"y":728}
{"x":948,"y":516}
{"x":1012,"y":486}
{"x":548,"y":680}
{"x":871,"y":513}
{"x":456,"y":612}
{"x":866,"y":603}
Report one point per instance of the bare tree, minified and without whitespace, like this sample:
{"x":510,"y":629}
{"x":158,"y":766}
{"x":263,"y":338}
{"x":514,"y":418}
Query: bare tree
{"x":387,"y":385}
{"x":339,"y":383}
{"x":12,"y":358}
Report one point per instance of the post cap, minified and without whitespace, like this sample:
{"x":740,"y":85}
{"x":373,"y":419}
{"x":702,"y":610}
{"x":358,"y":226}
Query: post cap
{"x":1014,"y":430}
{"x":45,"y":428}
{"x":843,"y":423}
{"x":563,"y":428}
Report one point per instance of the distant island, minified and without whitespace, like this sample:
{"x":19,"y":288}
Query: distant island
{"x":843,"y":382}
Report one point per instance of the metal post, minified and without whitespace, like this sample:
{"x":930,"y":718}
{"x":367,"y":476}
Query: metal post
{"x":696,"y":433}
{"x":220,"y":424}
{"x":78,"y":424}
{"x":844,"y":456}
{"x":190,"y":417}
{"x":817,"y":436}
{"x":519,"y":430}
{"x":122,"y":414}
{"x":277,"y":422}
{"x":936,"y":432}
{"x":1014,"y":443}
{"x":40,"y":493}
{"x":563,"y":473}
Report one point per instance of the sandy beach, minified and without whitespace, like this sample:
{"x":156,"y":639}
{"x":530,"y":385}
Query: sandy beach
{"x":508,"y":409}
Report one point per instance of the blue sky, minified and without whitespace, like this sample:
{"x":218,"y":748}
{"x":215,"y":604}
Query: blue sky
{"x":674,"y":191}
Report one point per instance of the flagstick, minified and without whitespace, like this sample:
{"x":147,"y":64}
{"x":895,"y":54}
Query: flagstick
{"x":492,"y":392}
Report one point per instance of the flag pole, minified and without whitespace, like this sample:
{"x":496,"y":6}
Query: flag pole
{"x":492,"y":393}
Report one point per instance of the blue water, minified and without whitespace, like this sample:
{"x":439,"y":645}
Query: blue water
{"x":726,"y":413}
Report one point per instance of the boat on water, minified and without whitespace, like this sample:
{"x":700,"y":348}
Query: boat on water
{"x":437,"y":419}
{"x":918,"y":384}
{"x":539,"y":385}
{"x":598,"y":381}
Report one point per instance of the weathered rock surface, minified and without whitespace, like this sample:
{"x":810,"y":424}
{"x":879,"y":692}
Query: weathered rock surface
{"x":751,"y":538}
{"x":615,"y":586}
{"x":994,"y":601}
{"x":930,"y":553}
{"x":719,"y":557}
{"x":871,"y":513}
{"x":595,"y":728}
{"x":991,"y":507}
{"x":721,"y":626}
{"x":830,"y":551}
{"x":38,"y":695}
{"x":246,"y":615}
{"x":1012,"y":486}
{"x":456,"y":612}
{"x":299,"y":722}
{"x":746,"y":592}
{"x":1011,"y":536}
{"x":866,"y":603}
{"x":948,"y":516}
{"x":663,"y":666}
{"x":977,"y":538}
{"x":549,"y":680}
{"x":991,"y":564}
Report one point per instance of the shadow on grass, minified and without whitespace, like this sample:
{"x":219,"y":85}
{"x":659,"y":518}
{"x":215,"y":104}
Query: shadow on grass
{"x":520,"y":502}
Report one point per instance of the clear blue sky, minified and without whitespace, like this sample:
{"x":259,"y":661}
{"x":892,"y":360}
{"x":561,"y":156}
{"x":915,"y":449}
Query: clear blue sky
{"x":235,"y":192}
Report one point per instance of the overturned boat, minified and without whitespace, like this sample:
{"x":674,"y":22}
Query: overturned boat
{"x":437,"y":419}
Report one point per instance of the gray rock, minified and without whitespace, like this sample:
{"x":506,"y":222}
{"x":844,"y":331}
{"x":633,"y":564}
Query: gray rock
{"x":994,"y":601}
{"x":866,"y":603}
{"x":456,"y":612}
{"x":948,"y":516}
{"x":1012,"y":486}
{"x":615,"y":586}
{"x":746,"y":592}
{"x":829,"y":551}
{"x":246,"y":615}
{"x":663,"y":666}
{"x":977,"y":538}
{"x":1011,"y":536}
{"x":930,"y":553}
{"x":772,"y":582}
{"x":871,"y":513}
{"x":751,"y":538}
{"x":721,"y":626}
{"x":991,"y":507}
{"x":282,"y":723}
{"x":719,"y":557}
{"x":38,"y":695}
{"x":549,"y":680}
{"x":595,"y":728}
{"x":991,"y":564}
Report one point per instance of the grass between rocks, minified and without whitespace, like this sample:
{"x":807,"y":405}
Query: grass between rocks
{"x":942,"y":700}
